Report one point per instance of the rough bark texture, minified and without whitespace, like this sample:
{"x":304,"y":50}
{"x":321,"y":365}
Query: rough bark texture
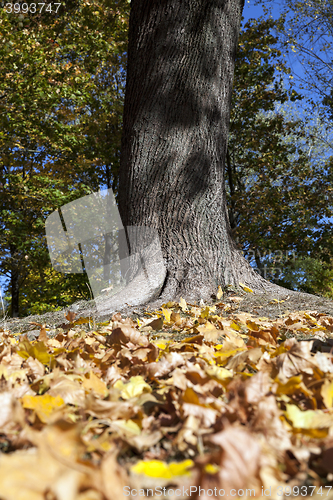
{"x":15,"y":289}
{"x":15,"y":284}
{"x":175,"y":127}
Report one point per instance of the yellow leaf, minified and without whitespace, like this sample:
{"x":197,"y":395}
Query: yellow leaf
{"x":161,"y":345}
{"x":183,"y":304}
{"x":252,"y":325}
{"x":128,"y":427}
{"x":135,"y":387}
{"x":95,"y":384}
{"x":308,"y":316}
{"x":327,"y":393}
{"x":44,"y":405}
{"x":308,"y":419}
{"x":159,"y":469}
{"x":219,"y":372}
{"x":170,"y":304}
{"x":245,"y":288}
{"x":219,"y":293}
{"x":167,"y":314}
{"x":292,"y":386}
{"x":37,"y":351}
{"x":205,"y":312}
{"x":211,"y":468}
{"x":180,"y":468}
{"x":81,"y":321}
{"x":222,"y":356}
{"x":235,"y":326}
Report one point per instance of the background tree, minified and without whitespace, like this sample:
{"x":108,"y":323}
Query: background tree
{"x":279,"y":185}
{"x":308,"y":33}
{"x":52,"y":148}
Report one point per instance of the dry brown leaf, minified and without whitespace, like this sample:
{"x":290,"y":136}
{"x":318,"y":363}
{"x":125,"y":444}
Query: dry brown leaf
{"x":239,"y":458}
{"x":125,"y":334}
{"x":205,"y":416}
{"x":208,"y":330}
{"x":156,"y":324}
{"x":70,"y":316}
{"x":114,"y":477}
{"x":188,"y":434}
{"x":71,"y":391}
{"x":296,"y":360}
{"x":165,"y":397}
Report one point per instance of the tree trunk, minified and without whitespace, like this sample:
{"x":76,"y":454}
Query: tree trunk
{"x":14,"y":282}
{"x":15,"y":288}
{"x":175,"y":128}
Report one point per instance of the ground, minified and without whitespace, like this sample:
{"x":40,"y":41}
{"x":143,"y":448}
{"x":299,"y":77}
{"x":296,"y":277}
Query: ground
{"x":234,"y":394}
{"x":267,"y":305}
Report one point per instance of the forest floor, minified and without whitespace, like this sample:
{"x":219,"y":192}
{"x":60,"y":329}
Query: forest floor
{"x":231,"y":398}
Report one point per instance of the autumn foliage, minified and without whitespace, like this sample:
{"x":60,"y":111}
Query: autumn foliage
{"x":186,"y":396}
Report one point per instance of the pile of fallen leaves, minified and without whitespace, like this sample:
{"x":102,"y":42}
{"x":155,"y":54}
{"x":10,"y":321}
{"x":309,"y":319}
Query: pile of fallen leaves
{"x":183,"y":402}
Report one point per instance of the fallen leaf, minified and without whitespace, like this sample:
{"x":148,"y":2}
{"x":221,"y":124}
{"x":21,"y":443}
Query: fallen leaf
{"x":92,"y":382}
{"x":327,"y":393}
{"x":156,"y":324}
{"x":245,"y":288}
{"x":183,"y":304}
{"x":167,"y":314}
{"x":308,"y":419}
{"x":159,"y":469}
{"x":209,"y":332}
{"x":70,"y":316}
{"x":135,"y":387}
{"x":44,"y":406}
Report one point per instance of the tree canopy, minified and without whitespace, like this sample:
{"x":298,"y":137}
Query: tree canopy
{"x":62,"y":85}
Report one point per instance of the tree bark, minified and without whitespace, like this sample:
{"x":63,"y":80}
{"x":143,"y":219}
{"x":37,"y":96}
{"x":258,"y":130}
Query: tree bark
{"x":175,"y":127}
{"x":15,"y":284}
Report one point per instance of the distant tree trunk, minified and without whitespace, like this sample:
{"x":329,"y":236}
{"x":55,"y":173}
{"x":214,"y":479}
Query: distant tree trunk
{"x":15,"y":284}
{"x":176,"y":118}
{"x":15,"y":294}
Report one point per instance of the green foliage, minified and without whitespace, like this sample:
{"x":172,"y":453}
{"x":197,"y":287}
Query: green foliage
{"x":279,"y":196}
{"x":309,"y":275}
{"x":60,"y":120}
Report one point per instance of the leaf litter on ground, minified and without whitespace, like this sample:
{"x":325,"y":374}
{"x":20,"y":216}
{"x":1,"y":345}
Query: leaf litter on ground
{"x":184,"y":397}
